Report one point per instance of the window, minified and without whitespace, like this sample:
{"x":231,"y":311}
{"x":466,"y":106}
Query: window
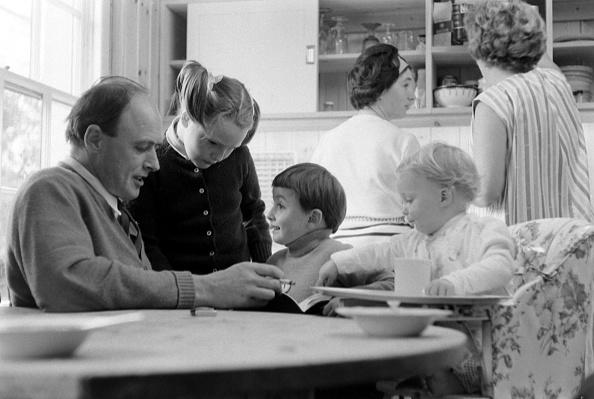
{"x":49,"y":53}
{"x":51,"y":41}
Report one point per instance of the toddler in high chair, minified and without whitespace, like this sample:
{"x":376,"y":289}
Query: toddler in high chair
{"x":469,"y":254}
{"x":309,"y":205}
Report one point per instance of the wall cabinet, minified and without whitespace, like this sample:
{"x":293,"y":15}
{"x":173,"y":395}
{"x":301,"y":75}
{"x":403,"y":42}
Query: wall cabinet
{"x":272,"y":46}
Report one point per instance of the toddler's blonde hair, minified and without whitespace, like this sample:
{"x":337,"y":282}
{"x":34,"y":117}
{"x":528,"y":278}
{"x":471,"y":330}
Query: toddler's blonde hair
{"x":445,"y":165}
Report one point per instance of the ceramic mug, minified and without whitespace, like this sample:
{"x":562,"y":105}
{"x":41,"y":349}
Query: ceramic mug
{"x":411,"y":276}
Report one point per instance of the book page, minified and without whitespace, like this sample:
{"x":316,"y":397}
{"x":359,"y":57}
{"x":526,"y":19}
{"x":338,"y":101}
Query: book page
{"x":312,"y":300}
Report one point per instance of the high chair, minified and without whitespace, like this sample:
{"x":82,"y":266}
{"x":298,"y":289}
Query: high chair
{"x":541,"y":341}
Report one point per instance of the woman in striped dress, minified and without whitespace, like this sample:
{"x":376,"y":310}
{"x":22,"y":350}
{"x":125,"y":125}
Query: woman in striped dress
{"x":528,"y":141}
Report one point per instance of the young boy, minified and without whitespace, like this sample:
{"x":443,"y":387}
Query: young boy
{"x":309,"y":205}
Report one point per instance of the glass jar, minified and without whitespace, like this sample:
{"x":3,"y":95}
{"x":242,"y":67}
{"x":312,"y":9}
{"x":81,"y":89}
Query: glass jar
{"x":339,"y":39}
{"x":389,"y":36}
{"x":324,"y":31}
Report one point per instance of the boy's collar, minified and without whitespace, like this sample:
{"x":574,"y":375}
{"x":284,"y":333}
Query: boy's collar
{"x":307,"y":242}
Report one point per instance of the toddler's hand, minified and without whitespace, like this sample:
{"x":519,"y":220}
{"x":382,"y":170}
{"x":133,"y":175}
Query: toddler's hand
{"x":328,"y":274}
{"x":440,"y":287}
{"x":330,"y":308}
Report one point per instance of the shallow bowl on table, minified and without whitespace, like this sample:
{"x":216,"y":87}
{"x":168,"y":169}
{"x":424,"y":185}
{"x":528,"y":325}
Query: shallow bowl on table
{"x":393,"y":322}
{"x":455,"y":95}
{"x":43,"y":336}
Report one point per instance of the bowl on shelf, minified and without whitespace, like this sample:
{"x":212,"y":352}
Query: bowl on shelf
{"x":455,"y":95}
{"x":393,"y":322}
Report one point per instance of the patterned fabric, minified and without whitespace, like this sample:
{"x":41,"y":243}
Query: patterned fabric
{"x":546,"y":150}
{"x":542,"y":342}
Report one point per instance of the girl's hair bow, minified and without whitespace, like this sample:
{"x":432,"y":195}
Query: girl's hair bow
{"x":213,"y":80}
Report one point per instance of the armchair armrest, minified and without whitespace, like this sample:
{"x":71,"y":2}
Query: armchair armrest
{"x":542,"y":342}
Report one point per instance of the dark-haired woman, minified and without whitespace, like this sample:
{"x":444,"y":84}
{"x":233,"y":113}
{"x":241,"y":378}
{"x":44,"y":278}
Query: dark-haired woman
{"x":364,"y":151}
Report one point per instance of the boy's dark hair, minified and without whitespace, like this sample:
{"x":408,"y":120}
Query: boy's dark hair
{"x":317,"y":189}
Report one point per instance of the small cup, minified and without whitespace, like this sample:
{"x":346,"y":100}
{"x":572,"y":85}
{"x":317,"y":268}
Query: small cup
{"x":411,"y":276}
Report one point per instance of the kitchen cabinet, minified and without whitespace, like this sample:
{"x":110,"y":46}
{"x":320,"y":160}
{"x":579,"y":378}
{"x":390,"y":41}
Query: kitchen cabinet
{"x":272,"y":46}
{"x":269,"y":45}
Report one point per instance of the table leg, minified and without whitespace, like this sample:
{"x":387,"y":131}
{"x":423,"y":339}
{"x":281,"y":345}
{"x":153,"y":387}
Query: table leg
{"x":487,"y":368}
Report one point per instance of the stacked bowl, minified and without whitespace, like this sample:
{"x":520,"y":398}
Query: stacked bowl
{"x":580,"y":79}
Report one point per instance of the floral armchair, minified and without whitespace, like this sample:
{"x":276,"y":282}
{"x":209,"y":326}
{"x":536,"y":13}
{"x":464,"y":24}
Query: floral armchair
{"x":542,"y":341}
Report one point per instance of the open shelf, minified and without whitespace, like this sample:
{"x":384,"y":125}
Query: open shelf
{"x":344,"y":62}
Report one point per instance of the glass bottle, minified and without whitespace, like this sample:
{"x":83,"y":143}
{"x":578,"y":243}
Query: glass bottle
{"x":371,"y":39}
{"x":389,"y":36}
{"x":323,"y":31}
{"x":339,"y":37}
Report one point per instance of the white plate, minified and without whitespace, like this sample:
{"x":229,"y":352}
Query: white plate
{"x":385,"y":296}
{"x":388,"y":322}
{"x":51,"y":335}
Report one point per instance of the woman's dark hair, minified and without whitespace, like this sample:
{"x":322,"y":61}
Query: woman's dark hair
{"x":317,"y":189}
{"x":375,"y":71}
{"x":101,"y":105}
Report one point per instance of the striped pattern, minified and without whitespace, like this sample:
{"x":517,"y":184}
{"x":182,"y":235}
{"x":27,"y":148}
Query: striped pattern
{"x":547,"y":167}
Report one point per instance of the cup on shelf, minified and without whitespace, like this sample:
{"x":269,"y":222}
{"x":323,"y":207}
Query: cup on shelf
{"x":328,"y":105}
{"x":420,"y":42}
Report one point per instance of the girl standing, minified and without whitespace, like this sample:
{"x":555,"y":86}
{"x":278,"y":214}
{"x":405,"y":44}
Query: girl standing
{"x":202,"y":210}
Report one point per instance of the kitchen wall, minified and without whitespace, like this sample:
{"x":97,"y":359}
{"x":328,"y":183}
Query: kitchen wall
{"x":275,"y":148}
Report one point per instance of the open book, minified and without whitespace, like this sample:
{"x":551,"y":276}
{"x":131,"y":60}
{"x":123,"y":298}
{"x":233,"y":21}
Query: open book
{"x":313,"y":304}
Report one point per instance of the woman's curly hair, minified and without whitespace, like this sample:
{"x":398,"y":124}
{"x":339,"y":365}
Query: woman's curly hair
{"x":508,"y":34}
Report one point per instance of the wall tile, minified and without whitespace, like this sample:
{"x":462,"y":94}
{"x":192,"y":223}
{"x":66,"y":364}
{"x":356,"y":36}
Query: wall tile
{"x":450,"y":135}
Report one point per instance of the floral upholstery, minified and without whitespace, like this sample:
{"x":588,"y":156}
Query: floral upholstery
{"x":542,"y":340}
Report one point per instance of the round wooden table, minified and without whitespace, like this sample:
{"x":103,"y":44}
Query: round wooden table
{"x":170,"y":354}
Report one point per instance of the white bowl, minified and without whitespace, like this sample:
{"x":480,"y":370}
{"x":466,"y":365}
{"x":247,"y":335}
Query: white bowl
{"x":389,"y":322}
{"x":51,"y":335}
{"x":455,"y":95}
{"x":40,"y":342}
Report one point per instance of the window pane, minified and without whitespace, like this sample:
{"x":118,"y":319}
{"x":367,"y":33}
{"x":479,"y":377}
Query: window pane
{"x":60,"y":33}
{"x":59,"y":147}
{"x":15,"y":35}
{"x":21,"y":137}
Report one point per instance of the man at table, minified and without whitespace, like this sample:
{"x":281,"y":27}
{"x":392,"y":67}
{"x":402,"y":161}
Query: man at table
{"x":71,"y":244}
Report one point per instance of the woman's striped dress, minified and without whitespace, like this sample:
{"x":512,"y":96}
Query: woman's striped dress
{"x":546,"y":162}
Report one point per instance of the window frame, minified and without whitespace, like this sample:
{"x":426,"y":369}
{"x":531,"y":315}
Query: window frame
{"x":48,"y":95}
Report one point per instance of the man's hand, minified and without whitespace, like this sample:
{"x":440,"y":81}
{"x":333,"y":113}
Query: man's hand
{"x":242,"y":285}
{"x":328,"y":274}
{"x":440,"y":287}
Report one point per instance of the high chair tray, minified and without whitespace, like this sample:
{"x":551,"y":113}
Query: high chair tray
{"x":379,"y":295}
